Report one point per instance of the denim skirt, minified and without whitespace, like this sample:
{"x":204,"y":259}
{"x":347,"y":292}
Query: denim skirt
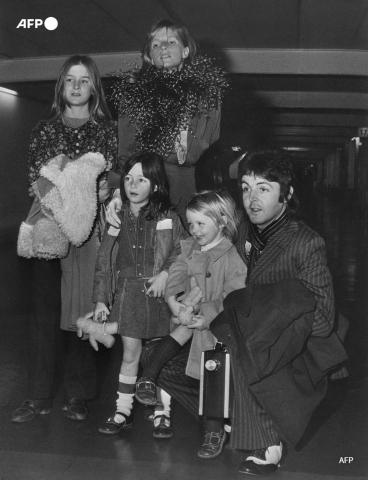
{"x":137,"y":314}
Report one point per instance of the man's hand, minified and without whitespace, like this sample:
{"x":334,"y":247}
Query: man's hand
{"x":200,"y":323}
{"x":186,"y":315}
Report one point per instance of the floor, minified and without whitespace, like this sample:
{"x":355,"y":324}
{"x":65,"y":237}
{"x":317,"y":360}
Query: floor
{"x":51,"y":447}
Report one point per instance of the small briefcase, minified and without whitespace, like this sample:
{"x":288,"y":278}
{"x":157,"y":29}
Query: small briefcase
{"x":214,"y":393}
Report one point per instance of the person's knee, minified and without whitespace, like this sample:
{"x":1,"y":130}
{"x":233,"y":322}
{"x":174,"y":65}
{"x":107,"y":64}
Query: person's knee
{"x":131,"y":356}
{"x":132,"y":350}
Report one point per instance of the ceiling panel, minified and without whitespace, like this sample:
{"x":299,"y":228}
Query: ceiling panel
{"x":135,"y":17}
{"x":213,"y":25}
{"x":267,"y":24}
{"x":333,"y":24}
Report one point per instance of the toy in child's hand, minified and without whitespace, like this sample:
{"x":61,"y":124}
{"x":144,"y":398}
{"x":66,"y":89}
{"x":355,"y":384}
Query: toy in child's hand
{"x":146,"y":287}
{"x":191,"y":299}
{"x":95,"y":331}
{"x":194,"y":296}
{"x":102,"y":317}
{"x":185,"y":316}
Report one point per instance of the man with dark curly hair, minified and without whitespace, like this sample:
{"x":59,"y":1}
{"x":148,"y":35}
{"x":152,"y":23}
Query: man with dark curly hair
{"x":280,"y":328}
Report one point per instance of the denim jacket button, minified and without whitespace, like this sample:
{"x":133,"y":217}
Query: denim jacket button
{"x":208,"y":275}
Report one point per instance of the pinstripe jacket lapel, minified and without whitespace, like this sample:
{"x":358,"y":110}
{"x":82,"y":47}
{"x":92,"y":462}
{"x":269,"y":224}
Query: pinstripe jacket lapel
{"x":275,"y":245}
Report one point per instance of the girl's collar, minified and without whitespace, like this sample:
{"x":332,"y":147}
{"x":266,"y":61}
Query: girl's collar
{"x":189,"y":246}
{"x":205,"y":248}
{"x":127,"y":210}
{"x":73,"y":122}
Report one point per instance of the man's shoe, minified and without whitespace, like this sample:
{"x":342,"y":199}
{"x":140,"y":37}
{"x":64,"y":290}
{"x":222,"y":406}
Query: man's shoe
{"x":110,"y":427}
{"x":262,"y":461}
{"x":163,"y":428}
{"x":212,"y":445}
{"x":75,"y":409}
{"x":30,"y":408}
{"x":146,"y":391}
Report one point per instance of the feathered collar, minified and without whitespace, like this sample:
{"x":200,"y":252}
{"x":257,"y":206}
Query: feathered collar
{"x":161,"y":102}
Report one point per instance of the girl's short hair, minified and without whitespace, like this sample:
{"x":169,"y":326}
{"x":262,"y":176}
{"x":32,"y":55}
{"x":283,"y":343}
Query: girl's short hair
{"x":180,"y":31}
{"x":153,"y":168}
{"x":216,"y":205}
{"x":97,"y":103}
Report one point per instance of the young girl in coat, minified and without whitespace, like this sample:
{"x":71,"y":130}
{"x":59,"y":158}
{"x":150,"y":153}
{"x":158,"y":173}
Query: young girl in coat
{"x":136,"y":258}
{"x":171,"y":106}
{"x":208,"y":261}
{"x":79,"y":124}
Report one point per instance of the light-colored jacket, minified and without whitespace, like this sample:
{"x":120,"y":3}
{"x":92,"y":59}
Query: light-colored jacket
{"x":217,"y":272}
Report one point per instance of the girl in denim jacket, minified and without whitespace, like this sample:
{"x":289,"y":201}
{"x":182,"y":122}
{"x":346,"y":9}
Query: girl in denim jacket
{"x":132,"y":269}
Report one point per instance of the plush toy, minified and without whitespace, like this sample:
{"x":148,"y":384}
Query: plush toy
{"x":95,"y":332}
{"x":191,"y":299}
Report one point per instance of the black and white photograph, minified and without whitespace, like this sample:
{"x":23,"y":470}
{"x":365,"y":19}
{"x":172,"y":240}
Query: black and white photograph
{"x":183,"y":239}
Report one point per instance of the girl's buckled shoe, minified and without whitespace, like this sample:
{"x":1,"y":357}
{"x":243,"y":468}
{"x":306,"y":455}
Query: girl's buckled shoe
{"x":162,"y":427}
{"x":146,"y":391}
{"x":110,"y":427}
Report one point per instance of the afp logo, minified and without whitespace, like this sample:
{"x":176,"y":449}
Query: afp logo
{"x":50,"y":23}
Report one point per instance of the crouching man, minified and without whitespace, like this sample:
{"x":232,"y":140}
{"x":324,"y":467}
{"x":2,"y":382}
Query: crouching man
{"x":280,"y":329}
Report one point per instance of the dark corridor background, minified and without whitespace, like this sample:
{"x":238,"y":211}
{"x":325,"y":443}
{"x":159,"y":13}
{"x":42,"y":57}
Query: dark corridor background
{"x":53,"y":447}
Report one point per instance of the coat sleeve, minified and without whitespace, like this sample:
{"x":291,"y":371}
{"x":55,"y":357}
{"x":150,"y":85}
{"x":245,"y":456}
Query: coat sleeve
{"x":111,"y":145}
{"x":179,"y":234}
{"x":235,"y":276}
{"x":178,"y":277}
{"x":206,"y":132}
{"x":126,"y":135}
{"x":41,"y":149}
{"x":314,"y":273}
{"x":103,"y":273}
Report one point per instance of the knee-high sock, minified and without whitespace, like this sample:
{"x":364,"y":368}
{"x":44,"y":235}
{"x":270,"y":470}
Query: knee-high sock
{"x":124,"y":402}
{"x":165,"y":350}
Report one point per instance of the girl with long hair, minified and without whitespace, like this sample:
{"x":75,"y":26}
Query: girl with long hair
{"x":79,"y":124}
{"x":131,"y":273}
{"x":171,"y":106}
